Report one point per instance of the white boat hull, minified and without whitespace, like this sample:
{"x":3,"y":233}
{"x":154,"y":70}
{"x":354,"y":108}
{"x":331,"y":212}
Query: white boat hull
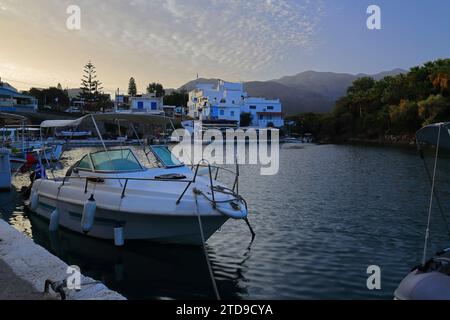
{"x":157,"y":204}
{"x":158,"y":228}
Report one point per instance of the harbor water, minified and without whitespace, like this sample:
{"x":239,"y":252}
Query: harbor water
{"x":330,"y":213}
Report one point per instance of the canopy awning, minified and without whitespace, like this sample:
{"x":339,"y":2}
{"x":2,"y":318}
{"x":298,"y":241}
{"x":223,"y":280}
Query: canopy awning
{"x":429,"y":135}
{"x":10,"y":118}
{"x":141,"y":118}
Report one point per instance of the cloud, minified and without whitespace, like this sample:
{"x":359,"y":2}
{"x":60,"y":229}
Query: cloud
{"x":239,"y":38}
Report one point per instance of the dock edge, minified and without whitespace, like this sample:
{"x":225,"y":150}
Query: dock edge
{"x":34,"y":265}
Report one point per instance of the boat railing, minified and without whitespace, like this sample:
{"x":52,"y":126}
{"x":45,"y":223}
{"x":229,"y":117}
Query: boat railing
{"x":234,"y":191}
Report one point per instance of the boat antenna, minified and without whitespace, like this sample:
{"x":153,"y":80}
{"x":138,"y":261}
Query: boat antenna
{"x":104,"y":145}
{"x":427,"y":232}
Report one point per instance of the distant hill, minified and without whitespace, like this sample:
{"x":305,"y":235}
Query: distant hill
{"x":191,"y":84}
{"x":309,"y":91}
{"x":294,"y":100}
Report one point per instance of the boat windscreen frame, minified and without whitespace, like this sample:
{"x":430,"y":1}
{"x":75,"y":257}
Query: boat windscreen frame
{"x":161,"y":161}
{"x":94,"y":170}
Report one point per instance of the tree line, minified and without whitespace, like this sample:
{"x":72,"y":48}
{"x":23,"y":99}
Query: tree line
{"x":393,"y":106}
{"x":91,"y":93}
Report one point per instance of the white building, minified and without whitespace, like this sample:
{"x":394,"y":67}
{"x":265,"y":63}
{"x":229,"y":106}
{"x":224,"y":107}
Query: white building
{"x":264,"y":112}
{"x":227,"y":100}
{"x":141,"y":103}
{"x":11,"y":100}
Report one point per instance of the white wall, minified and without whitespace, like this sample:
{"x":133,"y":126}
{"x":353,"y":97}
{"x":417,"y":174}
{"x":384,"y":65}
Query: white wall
{"x":231,"y":101}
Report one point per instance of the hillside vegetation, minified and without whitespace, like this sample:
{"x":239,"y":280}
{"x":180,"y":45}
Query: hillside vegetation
{"x":392,"y":108}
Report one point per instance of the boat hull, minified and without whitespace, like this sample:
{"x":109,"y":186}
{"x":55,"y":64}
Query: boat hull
{"x":16,"y":163}
{"x":152,"y":227}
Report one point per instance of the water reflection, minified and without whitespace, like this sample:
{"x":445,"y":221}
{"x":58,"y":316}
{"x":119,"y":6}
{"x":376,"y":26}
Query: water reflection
{"x":327,"y":215}
{"x":140,"y":270}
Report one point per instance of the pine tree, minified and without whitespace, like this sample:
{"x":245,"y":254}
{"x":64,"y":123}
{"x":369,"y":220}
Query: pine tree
{"x":90,"y":86}
{"x":132,"y":90}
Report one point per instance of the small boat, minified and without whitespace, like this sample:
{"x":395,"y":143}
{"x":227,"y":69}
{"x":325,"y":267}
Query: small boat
{"x":73,"y":134}
{"x":16,"y":163}
{"x":430,"y":280}
{"x":110,"y":191}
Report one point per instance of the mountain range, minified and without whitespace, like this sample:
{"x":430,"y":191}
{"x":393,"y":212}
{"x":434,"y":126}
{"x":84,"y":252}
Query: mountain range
{"x":309,"y":91}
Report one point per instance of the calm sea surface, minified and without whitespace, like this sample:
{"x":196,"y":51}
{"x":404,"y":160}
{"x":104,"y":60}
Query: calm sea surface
{"x":329,"y":213}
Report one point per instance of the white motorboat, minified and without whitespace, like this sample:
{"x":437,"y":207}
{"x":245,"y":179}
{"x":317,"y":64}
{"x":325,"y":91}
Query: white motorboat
{"x":110,"y":195}
{"x":431,"y":279}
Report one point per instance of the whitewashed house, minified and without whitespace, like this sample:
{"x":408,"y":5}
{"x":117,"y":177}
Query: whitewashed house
{"x":11,"y":100}
{"x":149,"y":103}
{"x":226,"y":101}
{"x":264,"y":112}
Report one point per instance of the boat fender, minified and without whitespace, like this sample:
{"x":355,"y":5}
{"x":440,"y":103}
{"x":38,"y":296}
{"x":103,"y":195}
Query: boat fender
{"x":88,"y":217}
{"x":118,"y":236}
{"x":54,"y":220}
{"x":34,"y":200}
{"x":232,"y":211}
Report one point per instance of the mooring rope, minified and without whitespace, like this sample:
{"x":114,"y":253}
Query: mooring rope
{"x":427,"y":232}
{"x":208,"y":262}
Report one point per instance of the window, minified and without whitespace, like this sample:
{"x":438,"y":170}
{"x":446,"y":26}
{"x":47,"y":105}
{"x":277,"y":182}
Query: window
{"x":252,"y":107}
{"x":154,"y":105}
{"x":232,"y":113}
{"x":166,"y":157}
{"x":140,"y":105}
{"x":115,"y":160}
{"x":269,"y":108}
{"x":222,"y":112}
{"x":85,"y":163}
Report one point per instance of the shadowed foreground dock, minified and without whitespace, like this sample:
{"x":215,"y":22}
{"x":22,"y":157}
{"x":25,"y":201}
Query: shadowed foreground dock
{"x":25,"y":266}
{"x":14,"y":288}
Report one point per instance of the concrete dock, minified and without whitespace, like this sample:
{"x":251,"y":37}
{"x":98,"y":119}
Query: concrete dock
{"x":25,"y":266}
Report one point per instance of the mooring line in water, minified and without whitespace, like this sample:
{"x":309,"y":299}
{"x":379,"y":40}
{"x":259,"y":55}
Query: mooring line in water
{"x":208,"y":262}
{"x":430,"y":208}
{"x":438,"y":202}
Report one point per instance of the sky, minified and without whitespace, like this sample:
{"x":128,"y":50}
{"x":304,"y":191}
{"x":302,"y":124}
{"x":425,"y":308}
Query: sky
{"x":173,"y":41}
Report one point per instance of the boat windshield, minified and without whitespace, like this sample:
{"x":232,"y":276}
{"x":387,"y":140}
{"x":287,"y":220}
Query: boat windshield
{"x":165,"y":157}
{"x":115,"y":160}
